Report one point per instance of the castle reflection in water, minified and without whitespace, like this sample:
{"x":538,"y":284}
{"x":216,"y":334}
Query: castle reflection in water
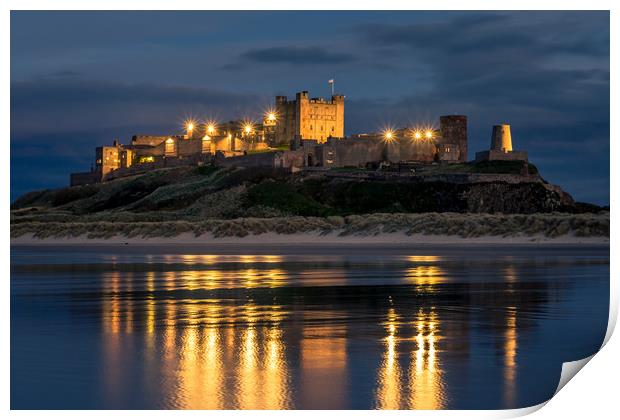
{"x":259,"y":332}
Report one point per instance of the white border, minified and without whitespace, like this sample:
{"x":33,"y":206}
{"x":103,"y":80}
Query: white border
{"x":593,"y":394}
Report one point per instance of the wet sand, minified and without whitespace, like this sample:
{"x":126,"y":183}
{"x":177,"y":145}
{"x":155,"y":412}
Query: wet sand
{"x":300,"y":244}
{"x":315,"y":240}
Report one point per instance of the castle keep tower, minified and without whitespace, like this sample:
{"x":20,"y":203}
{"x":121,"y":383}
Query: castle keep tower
{"x":309,"y":118}
{"x":453,"y":131}
{"x":501,"y":139}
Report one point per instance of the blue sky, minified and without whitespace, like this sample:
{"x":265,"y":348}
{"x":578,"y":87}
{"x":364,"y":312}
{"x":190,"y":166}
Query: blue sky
{"x":80,"y":79}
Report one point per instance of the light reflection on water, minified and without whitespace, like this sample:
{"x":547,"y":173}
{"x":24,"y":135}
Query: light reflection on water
{"x":274,"y":332}
{"x":324,"y":366}
{"x":421,"y":385}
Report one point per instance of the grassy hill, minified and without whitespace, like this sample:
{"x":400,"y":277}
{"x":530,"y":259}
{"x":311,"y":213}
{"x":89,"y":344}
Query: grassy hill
{"x":207,"y":198}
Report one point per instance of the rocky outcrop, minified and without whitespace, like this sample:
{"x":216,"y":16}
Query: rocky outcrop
{"x":226,"y":193}
{"x":419,"y":196}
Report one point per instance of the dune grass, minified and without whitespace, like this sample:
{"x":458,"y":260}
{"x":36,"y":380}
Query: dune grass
{"x":549,"y":225}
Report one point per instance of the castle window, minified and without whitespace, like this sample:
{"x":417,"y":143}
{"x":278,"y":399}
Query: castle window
{"x":169,"y":147}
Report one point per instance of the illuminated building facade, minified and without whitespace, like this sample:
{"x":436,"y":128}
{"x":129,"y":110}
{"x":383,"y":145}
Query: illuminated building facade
{"x":309,"y":118}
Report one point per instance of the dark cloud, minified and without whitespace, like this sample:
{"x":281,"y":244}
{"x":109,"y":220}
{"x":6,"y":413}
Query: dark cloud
{"x":60,"y":74}
{"x":520,"y":58}
{"x":496,"y":36}
{"x":296,"y":55}
{"x":70,"y":105}
{"x":64,"y":91}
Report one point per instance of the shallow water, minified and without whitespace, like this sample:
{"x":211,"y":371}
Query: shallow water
{"x":358,"y":328}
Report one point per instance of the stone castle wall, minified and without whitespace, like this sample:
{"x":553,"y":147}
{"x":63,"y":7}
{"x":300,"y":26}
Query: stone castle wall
{"x":266,"y":159}
{"x":159,"y":163}
{"x":358,"y":152}
{"x":146,"y":140}
{"x":499,"y":155}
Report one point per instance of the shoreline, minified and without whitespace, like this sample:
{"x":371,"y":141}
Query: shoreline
{"x":314,"y":240}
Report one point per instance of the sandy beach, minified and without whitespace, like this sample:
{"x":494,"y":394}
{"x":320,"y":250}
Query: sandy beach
{"x":313,"y":239}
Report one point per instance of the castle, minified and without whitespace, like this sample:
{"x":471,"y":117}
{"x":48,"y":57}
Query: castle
{"x":296,"y":134}
{"x":308,"y":118}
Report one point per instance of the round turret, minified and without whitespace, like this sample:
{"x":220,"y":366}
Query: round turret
{"x":501,"y":139}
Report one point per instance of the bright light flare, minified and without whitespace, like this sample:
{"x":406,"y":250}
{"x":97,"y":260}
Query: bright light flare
{"x":389,"y":135}
{"x":211,"y":126}
{"x":422,"y":133}
{"x":248,"y":127}
{"x":271,"y":116}
{"x":189,"y":124}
